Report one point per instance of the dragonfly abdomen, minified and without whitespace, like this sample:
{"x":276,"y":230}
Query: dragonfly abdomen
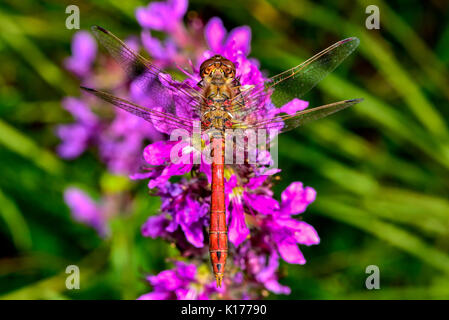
{"x":218,"y":237}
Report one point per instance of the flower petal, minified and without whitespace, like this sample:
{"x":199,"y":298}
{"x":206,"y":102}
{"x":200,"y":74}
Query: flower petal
{"x":293,"y":106}
{"x":186,"y":271}
{"x":194,"y":234}
{"x":256,"y":182}
{"x":153,"y":45}
{"x":155,"y":226}
{"x":215,"y":33}
{"x":156,"y":295}
{"x":238,"y":230}
{"x":290,"y":252}
{"x":206,"y":168}
{"x":158,"y":153}
{"x":296,"y":198}
{"x":186,"y":294}
{"x":239,"y":39}
{"x":178,"y":7}
{"x":80,"y":111}
{"x":261,"y":203}
{"x":84,"y":51}
{"x":165,"y":281}
{"x":274,"y":286}
{"x":85,"y":210}
{"x":306,"y":234}
{"x":153,"y":16}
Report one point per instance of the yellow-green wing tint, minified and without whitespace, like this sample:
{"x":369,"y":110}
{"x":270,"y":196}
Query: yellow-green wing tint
{"x":146,"y":75}
{"x":294,"y":83}
{"x":162,"y":121}
{"x":284,"y":123}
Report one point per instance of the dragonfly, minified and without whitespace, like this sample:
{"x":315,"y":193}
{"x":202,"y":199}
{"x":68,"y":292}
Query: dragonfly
{"x":220,"y":102}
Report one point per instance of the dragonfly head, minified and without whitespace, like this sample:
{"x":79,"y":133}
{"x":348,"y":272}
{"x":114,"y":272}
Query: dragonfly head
{"x":217,"y":68}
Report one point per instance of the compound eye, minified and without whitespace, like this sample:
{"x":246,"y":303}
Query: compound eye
{"x":230,"y":72}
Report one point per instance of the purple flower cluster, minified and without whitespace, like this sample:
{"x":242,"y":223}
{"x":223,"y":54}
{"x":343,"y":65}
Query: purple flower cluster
{"x":180,"y":283}
{"x":119,"y":141}
{"x":184,"y":211}
{"x":261,"y":229}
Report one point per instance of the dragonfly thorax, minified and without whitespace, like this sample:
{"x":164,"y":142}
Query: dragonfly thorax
{"x":216,"y":117}
{"x":218,"y":76}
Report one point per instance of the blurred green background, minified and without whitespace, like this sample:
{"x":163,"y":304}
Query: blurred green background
{"x":381,"y":169}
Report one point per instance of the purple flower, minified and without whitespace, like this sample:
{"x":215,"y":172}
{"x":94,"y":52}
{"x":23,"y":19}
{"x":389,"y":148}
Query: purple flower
{"x":237,"y":42}
{"x":238,"y":230}
{"x":287,"y":232}
{"x":267,"y":275}
{"x":85,"y":210}
{"x":243,"y":198}
{"x":162,"y":51}
{"x":183,"y":212}
{"x":296,"y":198}
{"x":162,"y":16}
{"x":260,"y":262}
{"x":258,"y":200}
{"x":235,"y":47}
{"x":119,"y":141}
{"x":179,"y":283}
{"x":84,"y":50}
{"x":76,"y":137}
{"x":159,"y":156}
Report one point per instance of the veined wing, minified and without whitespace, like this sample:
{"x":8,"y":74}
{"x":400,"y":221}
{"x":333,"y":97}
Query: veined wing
{"x":295,"y":82}
{"x":163,"y":91}
{"x":162,"y":121}
{"x":288,"y":122}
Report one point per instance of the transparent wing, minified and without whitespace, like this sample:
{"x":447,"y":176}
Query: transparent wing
{"x":159,"y":86}
{"x":249,"y":101}
{"x":295,"y":82}
{"x":162,"y":121}
{"x":288,"y":122}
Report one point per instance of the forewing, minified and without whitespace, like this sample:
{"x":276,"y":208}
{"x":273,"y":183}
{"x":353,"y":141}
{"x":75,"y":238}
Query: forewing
{"x":294,"y":83}
{"x":157,"y":85}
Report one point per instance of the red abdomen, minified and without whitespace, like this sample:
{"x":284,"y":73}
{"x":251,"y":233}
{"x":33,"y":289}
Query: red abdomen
{"x":218,"y":237}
